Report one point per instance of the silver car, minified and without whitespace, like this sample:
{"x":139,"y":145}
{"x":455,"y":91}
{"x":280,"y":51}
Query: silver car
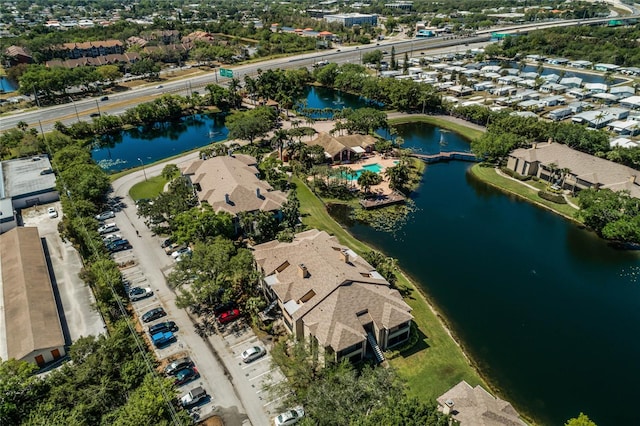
{"x":105,"y":215}
{"x":253,"y":353}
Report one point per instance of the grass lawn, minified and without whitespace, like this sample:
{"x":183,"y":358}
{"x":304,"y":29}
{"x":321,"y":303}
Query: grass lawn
{"x":150,"y":188}
{"x":489,"y":175}
{"x":464,"y":131}
{"x":436,"y":362}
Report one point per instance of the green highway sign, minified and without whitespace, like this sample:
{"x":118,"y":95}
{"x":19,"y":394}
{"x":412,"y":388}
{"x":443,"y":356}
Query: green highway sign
{"x":226,"y":72}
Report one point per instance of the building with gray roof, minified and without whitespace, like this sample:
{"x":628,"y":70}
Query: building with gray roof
{"x":25,"y":182}
{"x":332,"y":297}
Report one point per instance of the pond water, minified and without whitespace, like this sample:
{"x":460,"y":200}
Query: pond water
{"x":154,"y":143}
{"x":549,"y":311}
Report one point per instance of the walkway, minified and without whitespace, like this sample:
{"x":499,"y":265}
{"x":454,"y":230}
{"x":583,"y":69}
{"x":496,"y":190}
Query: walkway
{"x":499,"y":172}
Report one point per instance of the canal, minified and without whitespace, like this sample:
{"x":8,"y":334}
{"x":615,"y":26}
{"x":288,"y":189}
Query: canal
{"x":547,"y":310}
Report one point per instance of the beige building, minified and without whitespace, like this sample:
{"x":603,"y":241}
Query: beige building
{"x":581,"y":170}
{"x":476,"y":407}
{"x":30,"y":329}
{"x":333,"y":298}
{"x":231,"y":184}
{"x":344,"y":148}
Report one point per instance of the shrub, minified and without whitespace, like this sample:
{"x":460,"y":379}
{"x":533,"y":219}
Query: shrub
{"x":514,"y":174}
{"x":554,"y":198}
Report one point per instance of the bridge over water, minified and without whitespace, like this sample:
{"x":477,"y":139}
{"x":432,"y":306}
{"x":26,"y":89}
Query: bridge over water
{"x":446,"y":156}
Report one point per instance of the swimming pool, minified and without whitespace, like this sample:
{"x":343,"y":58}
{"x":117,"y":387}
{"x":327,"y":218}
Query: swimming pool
{"x":375,"y":168}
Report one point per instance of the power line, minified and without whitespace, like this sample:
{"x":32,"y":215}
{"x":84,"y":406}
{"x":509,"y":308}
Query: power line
{"x":101,"y":271}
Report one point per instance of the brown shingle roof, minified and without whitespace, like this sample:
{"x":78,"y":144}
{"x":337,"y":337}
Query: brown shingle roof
{"x":113,"y":58}
{"x":30,"y":313}
{"x":90,"y":44}
{"x":586,"y":167}
{"x":335,"y":144}
{"x":341,"y":290}
{"x":237,"y":178}
{"x":477,"y":407}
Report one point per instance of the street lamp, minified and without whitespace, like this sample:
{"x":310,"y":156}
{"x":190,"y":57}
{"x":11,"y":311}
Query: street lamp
{"x":143,"y":171}
{"x":98,"y":105}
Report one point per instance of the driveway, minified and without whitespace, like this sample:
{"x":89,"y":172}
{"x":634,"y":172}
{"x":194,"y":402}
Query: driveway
{"x":78,"y":315}
{"x":234,"y":397}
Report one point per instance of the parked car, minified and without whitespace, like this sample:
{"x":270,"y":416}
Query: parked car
{"x":52,"y":212}
{"x":111,"y":238}
{"x":180,"y":252}
{"x":163,"y":326}
{"x":173,"y":247}
{"x":223,"y":307}
{"x":228,"y":316}
{"x":177,"y":365}
{"x":290,"y":417}
{"x":119,"y":245}
{"x":166,"y":243}
{"x":105,"y":215}
{"x":153,"y":314}
{"x":139,"y":293}
{"x":253,"y":353}
{"x":162,"y":338}
{"x":108,"y":228}
{"x":186,"y":375}
{"x":194,"y":397}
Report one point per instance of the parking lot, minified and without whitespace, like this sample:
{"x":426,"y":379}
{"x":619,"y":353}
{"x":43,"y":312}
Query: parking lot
{"x":254,"y":376}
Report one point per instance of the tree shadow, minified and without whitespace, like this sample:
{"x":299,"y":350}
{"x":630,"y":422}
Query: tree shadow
{"x":420,"y":345}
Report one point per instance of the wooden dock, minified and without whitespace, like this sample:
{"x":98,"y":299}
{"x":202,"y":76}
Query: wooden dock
{"x":446,"y":156}
{"x":382,"y":200}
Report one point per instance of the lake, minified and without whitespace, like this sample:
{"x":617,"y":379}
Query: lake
{"x":548,"y":311}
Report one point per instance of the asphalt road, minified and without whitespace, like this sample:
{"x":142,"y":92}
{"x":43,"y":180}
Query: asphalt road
{"x":237,"y":389}
{"x":118,"y":103}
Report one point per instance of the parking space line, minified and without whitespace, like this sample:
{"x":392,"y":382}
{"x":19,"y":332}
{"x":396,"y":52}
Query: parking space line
{"x":272,"y":401}
{"x":244,"y":341}
{"x":254,"y":363}
{"x":145,"y":307}
{"x":260,"y":375}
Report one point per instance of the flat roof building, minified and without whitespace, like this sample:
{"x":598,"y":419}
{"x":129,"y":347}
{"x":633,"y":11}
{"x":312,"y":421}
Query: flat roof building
{"x":25,"y":182}
{"x":351,"y":19}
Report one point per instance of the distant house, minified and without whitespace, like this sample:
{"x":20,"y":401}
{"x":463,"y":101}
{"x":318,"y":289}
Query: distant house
{"x":474,"y":406}
{"x":606,"y":67}
{"x":231,"y":184}
{"x":632,"y":102}
{"x":580,"y":64}
{"x":625,"y":127}
{"x":344,"y":148}
{"x":560,"y":114}
{"x":621,"y":92}
{"x":88,"y":49}
{"x":333,"y":298}
{"x":584,"y":170}
{"x":111,"y":59}
{"x":571,"y":82}
{"x":18,"y":55}
{"x":32,"y":331}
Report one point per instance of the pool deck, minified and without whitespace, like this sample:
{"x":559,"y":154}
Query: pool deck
{"x":384,"y":162}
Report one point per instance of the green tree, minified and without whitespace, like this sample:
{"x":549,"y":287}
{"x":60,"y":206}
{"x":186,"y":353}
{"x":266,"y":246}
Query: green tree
{"x":386,"y":266}
{"x":398,"y":176}
{"x":249,"y":125}
{"x":85,"y":181}
{"x":291,"y":211}
{"x":20,"y":390}
{"x":401,"y":410}
{"x":367,"y":179}
{"x":581,"y":420}
{"x":200,"y":224}
{"x":170,"y":171}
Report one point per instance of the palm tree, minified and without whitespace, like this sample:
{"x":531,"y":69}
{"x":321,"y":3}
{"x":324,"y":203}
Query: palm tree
{"x":367,"y":179}
{"x":279,"y":139}
{"x":553,"y":169}
{"x":563,"y":175}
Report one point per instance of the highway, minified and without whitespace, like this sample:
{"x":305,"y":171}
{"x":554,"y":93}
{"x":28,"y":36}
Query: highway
{"x":45,"y":118}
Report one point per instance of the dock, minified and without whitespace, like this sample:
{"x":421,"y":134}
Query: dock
{"x":382,"y":200}
{"x":446,"y":156}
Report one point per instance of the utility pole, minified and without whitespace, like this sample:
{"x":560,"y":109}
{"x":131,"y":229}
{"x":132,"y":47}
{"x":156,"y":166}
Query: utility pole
{"x":143,"y":170}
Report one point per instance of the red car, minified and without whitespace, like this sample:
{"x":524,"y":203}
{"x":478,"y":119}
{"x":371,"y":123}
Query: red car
{"x":228,"y":316}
